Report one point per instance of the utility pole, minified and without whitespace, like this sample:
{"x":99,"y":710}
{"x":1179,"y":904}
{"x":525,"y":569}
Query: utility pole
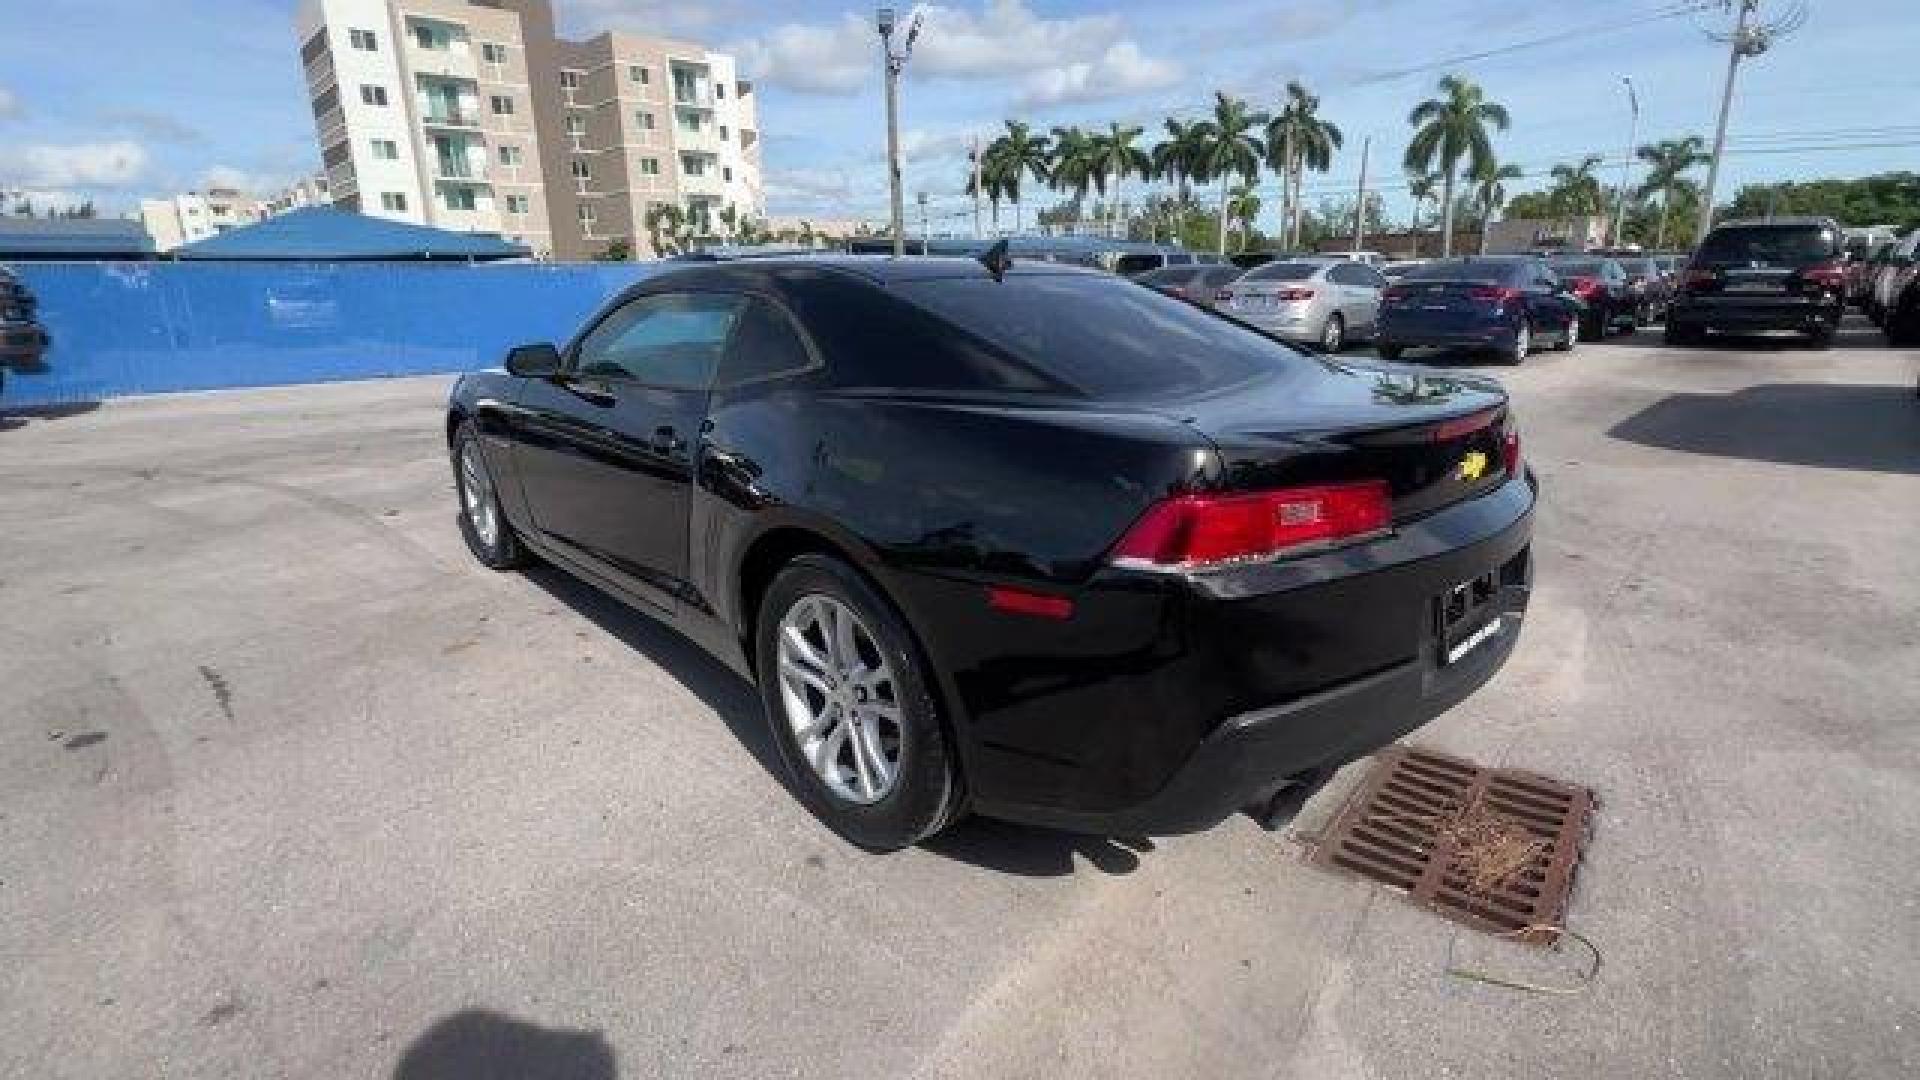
{"x":895,"y":63}
{"x":1360,"y":200}
{"x":921,"y":198}
{"x":974,"y":154}
{"x":1742,"y":43}
{"x":1626,"y":164}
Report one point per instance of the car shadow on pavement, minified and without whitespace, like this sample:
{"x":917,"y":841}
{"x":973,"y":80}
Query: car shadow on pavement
{"x":479,"y":1045}
{"x":995,"y":845}
{"x":20,"y":417}
{"x":1853,"y":334}
{"x":1868,"y":428}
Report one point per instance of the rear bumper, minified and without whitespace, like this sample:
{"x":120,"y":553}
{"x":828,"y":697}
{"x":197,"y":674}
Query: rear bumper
{"x":1141,"y":751}
{"x":1492,"y":335}
{"x":1753,"y":315}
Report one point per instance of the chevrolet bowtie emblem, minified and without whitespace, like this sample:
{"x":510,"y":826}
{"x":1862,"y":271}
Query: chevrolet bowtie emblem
{"x":1473,"y":466}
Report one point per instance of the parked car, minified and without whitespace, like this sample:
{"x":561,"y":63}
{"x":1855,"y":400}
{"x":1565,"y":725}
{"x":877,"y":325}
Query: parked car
{"x":1502,"y":304}
{"x":1198,"y":282}
{"x":1889,"y":275}
{"x":1320,"y":301}
{"x":23,"y":343}
{"x":1027,"y":541}
{"x":1773,"y":274}
{"x":1397,"y":269}
{"x":1601,"y":285}
{"x":14,"y":295}
{"x":1648,"y":286}
{"x":1900,"y":313}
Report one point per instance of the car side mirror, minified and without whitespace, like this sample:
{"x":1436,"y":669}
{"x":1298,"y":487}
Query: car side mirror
{"x":539,"y":360}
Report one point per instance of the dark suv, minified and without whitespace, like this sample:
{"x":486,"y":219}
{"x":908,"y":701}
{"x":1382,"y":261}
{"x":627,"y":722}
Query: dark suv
{"x":1756,"y":276}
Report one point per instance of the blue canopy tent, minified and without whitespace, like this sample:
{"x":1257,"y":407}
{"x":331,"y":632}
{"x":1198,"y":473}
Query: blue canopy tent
{"x":324,"y":234}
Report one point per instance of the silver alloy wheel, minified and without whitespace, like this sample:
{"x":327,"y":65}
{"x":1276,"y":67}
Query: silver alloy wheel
{"x":840,"y":698}
{"x":476,"y":491}
{"x":1523,"y":339}
{"x":1333,"y":335}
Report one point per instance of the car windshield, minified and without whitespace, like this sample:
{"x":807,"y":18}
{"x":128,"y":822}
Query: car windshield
{"x":1460,"y":271}
{"x":1282,"y":271}
{"x":1768,"y":244}
{"x":1109,"y":338}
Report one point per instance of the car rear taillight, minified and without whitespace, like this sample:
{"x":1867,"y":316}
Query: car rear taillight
{"x":1701,"y":277}
{"x":1500,"y":293}
{"x":1223,"y":295}
{"x":1510,"y":446}
{"x":1294,"y":294}
{"x":1194,"y":532}
{"x":1394,"y":292}
{"x":1585,"y":286}
{"x":1833,"y":275}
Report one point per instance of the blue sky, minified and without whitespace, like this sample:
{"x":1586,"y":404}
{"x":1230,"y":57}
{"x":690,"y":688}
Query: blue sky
{"x":115,"y":99}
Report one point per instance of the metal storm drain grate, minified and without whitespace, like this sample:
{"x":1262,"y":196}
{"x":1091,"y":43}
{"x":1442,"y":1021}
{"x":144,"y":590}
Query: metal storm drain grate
{"x":1493,"y":848}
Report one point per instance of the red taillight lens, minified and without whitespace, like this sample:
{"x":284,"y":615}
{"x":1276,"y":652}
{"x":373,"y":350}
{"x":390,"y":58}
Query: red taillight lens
{"x":1196,"y":531}
{"x":1223,"y":295}
{"x":1510,"y":447}
{"x":1294,"y":294}
{"x":1833,"y":275}
{"x":1585,"y":286}
{"x":1498,"y":293}
{"x":1394,"y":292}
{"x":1021,"y":602}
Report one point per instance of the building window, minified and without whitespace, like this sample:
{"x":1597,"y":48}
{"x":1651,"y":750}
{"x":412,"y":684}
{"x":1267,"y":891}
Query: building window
{"x":723,"y":133}
{"x":577,"y":132}
{"x":510,"y":156}
{"x":386,"y":150}
{"x":373,"y":95}
{"x":364,"y":40}
{"x":587,"y":216}
{"x":726,"y":175}
{"x":649,"y":166}
{"x":517,"y":205}
{"x":459,"y":198}
{"x":394,"y":201}
{"x":501,"y":104}
{"x":569,"y":80}
{"x":428,"y":37}
{"x":493,"y":52}
{"x":691,"y":165}
{"x":689,"y":121}
{"x":639,"y":74}
{"x":720,"y":90}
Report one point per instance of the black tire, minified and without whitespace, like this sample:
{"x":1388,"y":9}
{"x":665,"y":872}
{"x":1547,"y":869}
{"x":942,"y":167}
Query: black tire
{"x":1820,"y":337}
{"x":1681,"y":336}
{"x":1902,"y":326}
{"x":1333,"y":336}
{"x":926,"y":794}
{"x":1569,"y":334}
{"x":1388,"y":353}
{"x":1593,"y":326}
{"x":1516,"y":354}
{"x":505,"y":552}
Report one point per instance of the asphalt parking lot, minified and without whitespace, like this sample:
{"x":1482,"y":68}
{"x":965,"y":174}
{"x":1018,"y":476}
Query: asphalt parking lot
{"x":289,"y":786}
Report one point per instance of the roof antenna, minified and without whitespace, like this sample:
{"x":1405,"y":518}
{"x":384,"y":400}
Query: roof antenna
{"x":996,"y":259}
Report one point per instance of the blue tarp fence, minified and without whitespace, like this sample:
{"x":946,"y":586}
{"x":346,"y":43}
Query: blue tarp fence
{"x":153,"y":327}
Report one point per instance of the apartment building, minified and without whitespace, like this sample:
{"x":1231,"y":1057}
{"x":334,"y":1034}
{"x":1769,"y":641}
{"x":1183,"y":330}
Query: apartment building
{"x":196,"y":215}
{"x":474,"y":115}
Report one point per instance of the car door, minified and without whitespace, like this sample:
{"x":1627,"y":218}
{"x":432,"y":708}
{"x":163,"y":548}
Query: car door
{"x":1548,"y":305}
{"x":1368,"y":284}
{"x":605,"y":454}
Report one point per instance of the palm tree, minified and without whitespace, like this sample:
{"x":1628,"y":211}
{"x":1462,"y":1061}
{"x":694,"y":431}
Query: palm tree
{"x":1575,"y":189}
{"x":1670,"y":160}
{"x":1490,"y":193}
{"x":1117,"y":154}
{"x":1173,"y":158}
{"x":1231,"y":149}
{"x":1244,"y":209}
{"x":1420,"y":187}
{"x":1449,"y":128}
{"x":1298,"y":140}
{"x":1012,"y":158}
{"x":1071,"y":164}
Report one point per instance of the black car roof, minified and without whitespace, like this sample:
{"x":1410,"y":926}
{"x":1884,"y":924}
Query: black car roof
{"x":1800,"y":222}
{"x":880,"y":269}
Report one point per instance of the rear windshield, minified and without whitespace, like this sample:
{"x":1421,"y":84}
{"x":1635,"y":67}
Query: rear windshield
{"x":1578,"y":269}
{"x":1219,"y":275}
{"x":1105,"y":337}
{"x":1128,"y":265}
{"x":1282,"y":271}
{"x":1171,"y":275}
{"x":1460,"y":271}
{"x":1769,"y":244}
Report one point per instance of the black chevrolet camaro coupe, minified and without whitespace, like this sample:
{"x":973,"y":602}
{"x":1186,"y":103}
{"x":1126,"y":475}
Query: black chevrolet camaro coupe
{"x":1028,"y":541}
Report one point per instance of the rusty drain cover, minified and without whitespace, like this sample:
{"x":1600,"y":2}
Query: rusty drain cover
{"x":1493,"y":848}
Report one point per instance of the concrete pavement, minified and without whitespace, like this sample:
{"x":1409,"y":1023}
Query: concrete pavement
{"x":289,"y":786}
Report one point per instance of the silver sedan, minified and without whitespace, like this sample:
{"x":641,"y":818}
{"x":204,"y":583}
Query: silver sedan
{"x":1324,"y":302}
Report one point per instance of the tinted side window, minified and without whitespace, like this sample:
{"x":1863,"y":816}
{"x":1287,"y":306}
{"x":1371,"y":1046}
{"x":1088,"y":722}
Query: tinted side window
{"x":870,"y":337}
{"x":672,"y":340}
{"x":765,"y":346}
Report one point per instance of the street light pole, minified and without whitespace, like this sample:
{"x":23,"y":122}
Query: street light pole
{"x":1360,"y":202}
{"x":1742,"y":44}
{"x":1626,"y":164}
{"x":925,"y":235}
{"x":884,"y":19}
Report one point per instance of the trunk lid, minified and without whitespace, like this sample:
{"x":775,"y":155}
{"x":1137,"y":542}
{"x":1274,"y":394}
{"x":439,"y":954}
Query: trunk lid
{"x":1436,"y":439}
{"x":1443,"y":304}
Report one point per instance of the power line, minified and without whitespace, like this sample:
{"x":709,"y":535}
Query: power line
{"x":1671,"y":11}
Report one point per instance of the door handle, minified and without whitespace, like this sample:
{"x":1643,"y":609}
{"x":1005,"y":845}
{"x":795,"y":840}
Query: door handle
{"x":590,"y":394}
{"x":665,"y":440}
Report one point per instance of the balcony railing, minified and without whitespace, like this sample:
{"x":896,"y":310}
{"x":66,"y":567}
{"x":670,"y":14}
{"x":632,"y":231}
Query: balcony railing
{"x":693,"y":95}
{"x":444,"y":117}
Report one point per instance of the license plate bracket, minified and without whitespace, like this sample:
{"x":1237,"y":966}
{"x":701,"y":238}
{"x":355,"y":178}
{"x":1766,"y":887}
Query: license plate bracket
{"x":1465,"y":617}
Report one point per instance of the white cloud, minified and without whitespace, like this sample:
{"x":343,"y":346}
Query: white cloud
{"x":1123,"y":69}
{"x":918,"y":145}
{"x":226,"y":176}
{"x":832,"y":59}
{"x":96,"y":164}
{"x":1000,"y":38}
{"x":9,"y":105}
{"x":809,"y":186}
